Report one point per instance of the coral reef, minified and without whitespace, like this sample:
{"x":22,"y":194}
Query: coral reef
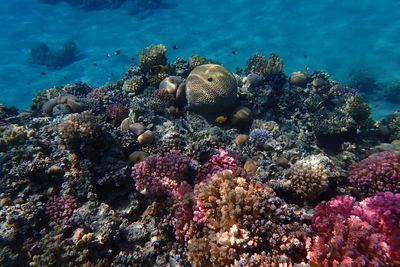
{"x":351,"y":233}
{"x":211,"y":88}
{"x":377,"y":173}
{"x":169,"y":186}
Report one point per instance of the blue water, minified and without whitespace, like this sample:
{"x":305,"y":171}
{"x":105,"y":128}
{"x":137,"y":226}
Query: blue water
{"x":333,"y":36}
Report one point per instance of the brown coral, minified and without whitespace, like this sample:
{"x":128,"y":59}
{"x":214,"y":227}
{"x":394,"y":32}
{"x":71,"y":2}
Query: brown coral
{"x":242,"y":218}
{"x":211,"y":89}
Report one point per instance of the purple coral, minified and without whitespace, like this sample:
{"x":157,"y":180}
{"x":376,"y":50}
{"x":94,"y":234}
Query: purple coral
{"x":379,"y":172}
{"x":60,"y":208}
{"x":260,"y":137}
{"x":163,"y":175}
{"x":349,"y":233}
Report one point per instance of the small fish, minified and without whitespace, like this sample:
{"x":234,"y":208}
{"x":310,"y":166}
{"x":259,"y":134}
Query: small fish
{"x":65,"y":77}
{"x":234,"y":52}
{"x":158,"y":69}
{"x":43,"y":73}
{"x":108,"y":55}
{"x":221,"y":119}
{"x":132,"y":58}
{"x":117,"y":52}
{"x":95,"y":64}
{"x":305,"y":56}
{"x":43,"y":30}
{"x":174,"y":47}
{"x":307,"y":68}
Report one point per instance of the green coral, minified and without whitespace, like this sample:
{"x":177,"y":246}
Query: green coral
{"x":151,"y":56}
{"x":133,"y":85}
{"x":357,"y":108}
{"x":392,"y":122}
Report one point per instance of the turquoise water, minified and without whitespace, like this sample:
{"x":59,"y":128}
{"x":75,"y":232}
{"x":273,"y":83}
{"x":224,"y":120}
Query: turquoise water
{"x":332,"y":36}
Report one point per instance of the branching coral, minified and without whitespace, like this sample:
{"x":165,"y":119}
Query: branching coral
{"x":241,"y":218}
{"x":159,"y":176}
{"x":60,"y":209}
{"x":349,"y":233}
{"x":379,"y":172}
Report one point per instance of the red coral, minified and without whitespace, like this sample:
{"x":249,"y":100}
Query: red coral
{"x":163,"y":175}
{"x":377,"y":173}
{"x":117,"y":112}
{"x":349,"y":233}
{"x":60,"y":209}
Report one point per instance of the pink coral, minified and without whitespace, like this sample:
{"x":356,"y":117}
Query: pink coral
{"x":377,"y":173}
{"x":349,"y":233}
{"x":59,"y":209}
{"x":219,"y":162}
{"x":96,"y":93}
{"x":163,"y":175}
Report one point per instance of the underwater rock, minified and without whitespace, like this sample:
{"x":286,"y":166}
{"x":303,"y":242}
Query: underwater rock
{"x":211,"y":89}
{"x":146,"y":138}
{"x":300,"y":78}
{"x":241,"y":117}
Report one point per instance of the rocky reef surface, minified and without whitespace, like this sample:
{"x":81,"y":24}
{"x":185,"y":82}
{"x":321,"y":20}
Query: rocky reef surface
{"x":186,"y":164}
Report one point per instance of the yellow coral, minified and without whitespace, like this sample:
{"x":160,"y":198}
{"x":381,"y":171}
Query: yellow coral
{"x":133,"y":85}
{"x":151,"y":56}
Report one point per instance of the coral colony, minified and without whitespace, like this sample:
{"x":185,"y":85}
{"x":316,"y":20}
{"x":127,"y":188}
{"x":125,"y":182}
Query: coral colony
{"x":186,"y":164}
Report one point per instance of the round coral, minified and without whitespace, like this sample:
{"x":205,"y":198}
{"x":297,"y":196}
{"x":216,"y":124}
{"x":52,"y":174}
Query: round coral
{"x":211,"y":89}
{"x":377,"y":173}
{"x":309,"y":176}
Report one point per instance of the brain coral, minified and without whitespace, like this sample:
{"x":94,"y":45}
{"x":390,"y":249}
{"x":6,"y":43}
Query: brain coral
{"x":211,"y":89}
{"x":378,"y":172}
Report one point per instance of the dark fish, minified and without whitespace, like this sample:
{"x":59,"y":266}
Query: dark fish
{"x":117,"y":52}
{"x":174,"y":47}
{"x":65,"y":77}
{"x":94,"y":64}
{"x":234,"y":52}
{"x":132,"y":58}
{"x":108,"y":55}
{"x":305,"y":56}
{"x":43,"y":73}
{"x":43,"y":30}
{"x":307,"y":68}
